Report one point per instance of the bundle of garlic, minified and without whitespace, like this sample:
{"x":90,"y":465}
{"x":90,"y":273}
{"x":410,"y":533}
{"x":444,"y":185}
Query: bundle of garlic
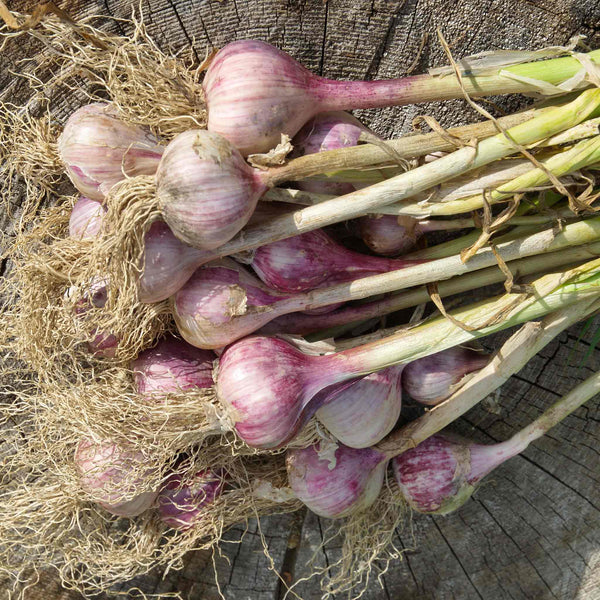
{"x":138,"y":445}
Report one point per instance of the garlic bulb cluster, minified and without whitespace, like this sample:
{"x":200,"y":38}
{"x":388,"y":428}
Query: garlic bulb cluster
{"x":436,"y":477}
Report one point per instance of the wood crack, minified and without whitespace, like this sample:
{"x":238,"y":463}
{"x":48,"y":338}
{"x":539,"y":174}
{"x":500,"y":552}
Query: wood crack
{"x":184,"y":30}
{"x":324,"y":41}
{"x":507,"y":534}
{"x":463,"y":569}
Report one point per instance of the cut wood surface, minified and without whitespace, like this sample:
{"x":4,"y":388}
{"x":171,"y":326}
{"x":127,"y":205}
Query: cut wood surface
{"x":532,"y":531}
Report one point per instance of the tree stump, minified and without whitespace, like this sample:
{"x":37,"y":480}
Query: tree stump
{"x":532,"y":531}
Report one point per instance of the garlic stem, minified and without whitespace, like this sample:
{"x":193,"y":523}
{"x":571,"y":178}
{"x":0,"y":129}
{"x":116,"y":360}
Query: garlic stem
{"x":543,"y":202}
{"x":438,"y":270}
{"x":425,"y":88}
{"x":587,"y":129}
{"x":412,"y":182}
{"x":549,"y":293}
{"x":558,"y":411}
{"x":465,"y":223}
{"x":583,"y":154}
{"x":565,"y":213}
{"x":511,"y":358}
{"x":302,"y":324}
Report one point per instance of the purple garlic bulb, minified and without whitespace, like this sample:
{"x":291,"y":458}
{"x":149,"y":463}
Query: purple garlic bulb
{"x":440,"y":474}
{"x":327,"y":131}
{"x":172,"y":366}
{"x":432,"y":379}
{"x":221,"y":303}
{"x":339,"y":486}
{"x":310,"y":260}
{"x":255,"y":92}
{"x":271,"y":389}
{"x":389,"y":235}
{"x":98,"y":150}
{"x":180,"y":502}
{"x":168,"y":263}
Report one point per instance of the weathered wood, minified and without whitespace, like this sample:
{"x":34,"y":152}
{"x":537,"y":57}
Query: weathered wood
{"x":533,"y":530}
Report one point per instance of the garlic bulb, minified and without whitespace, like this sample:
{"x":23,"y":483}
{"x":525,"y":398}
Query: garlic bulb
{"x":441,"y":473}
{"x":205,"y":189}
{"x":389,"y":235}
{"x":313,"y":259}
{"x":98,"y":150}
{"x":110,"y":474}
{"x":362,"y":414}
{"x":180,"y":502}
{"x":220,"y":303}
{"x":172,"y":366}
{"x":271,"y":389}
{"x":335,"y":489}
{"x":432,"y":379}
{"x":86,"y":219}
{"x":327,"y":131}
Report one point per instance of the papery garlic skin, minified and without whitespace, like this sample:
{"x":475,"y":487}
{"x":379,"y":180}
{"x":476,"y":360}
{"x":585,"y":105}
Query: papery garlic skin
{"x":362,"y":414}
{"x":99,"y":149}
{"x":205,"y":189}
{"x":432,"y":379}
{"x":336,"y":490}
{"x":180,"y":502}
{"x":109,"y":473}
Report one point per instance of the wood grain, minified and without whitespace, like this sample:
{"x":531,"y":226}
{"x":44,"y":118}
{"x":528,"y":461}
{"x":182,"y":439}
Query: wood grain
{"x":533,"y":530}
